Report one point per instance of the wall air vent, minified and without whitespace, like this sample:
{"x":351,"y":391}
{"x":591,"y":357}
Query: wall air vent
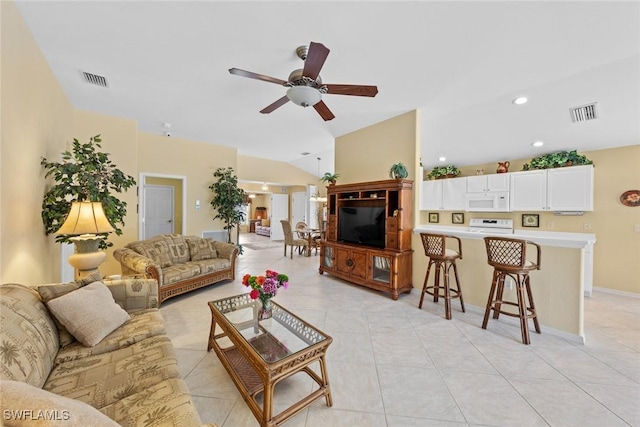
{"x":584,"y":113}
{"x":95,"y":79}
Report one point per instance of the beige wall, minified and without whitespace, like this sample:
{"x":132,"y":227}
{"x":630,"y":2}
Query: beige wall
{"x":36,"y":121}
{"x":118,"y":136}
{"x":367,"y":154}
{"x":195,"y":161}
{"x":272,"y":171}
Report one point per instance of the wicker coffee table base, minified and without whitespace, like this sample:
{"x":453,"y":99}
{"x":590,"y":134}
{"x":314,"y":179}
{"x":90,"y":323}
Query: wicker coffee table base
{"x":252,"y":375}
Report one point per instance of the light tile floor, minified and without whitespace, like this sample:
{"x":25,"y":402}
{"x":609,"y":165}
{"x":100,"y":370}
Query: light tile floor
{"x":392,"y":364}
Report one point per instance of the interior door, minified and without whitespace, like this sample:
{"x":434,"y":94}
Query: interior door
{"x":299,"y":208}
{"x":279,"y":211}
{"x":158,"y":210}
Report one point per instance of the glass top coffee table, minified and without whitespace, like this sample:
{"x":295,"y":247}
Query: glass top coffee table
{"x":258,"y":354}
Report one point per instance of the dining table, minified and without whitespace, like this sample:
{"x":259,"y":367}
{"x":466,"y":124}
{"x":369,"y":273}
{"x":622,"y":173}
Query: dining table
{"x":311,"y":235}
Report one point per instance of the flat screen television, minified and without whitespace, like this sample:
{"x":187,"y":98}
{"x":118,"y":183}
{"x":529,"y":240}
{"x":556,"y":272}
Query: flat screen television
{"x":361,"y":224}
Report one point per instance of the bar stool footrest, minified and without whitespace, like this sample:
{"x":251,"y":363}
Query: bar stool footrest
{"x":531,"y":313}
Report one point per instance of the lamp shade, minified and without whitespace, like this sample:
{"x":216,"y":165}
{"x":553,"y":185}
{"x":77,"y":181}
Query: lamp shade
{"x":85,"y":218}
{"x":304,"y":96}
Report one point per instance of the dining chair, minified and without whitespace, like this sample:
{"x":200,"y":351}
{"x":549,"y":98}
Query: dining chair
{"x":290,"y":240}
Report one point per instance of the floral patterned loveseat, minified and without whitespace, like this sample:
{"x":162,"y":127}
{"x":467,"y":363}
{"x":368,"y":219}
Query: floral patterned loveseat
{"x":129,"y":377}
{"x":179,"y":263}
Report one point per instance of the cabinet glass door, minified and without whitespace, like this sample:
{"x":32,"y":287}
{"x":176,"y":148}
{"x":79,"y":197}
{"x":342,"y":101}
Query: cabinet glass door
{"x":327,"y":259}
{"x":382,"y":269}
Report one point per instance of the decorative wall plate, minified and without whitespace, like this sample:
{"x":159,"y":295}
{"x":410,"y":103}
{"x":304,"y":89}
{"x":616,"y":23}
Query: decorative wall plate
{"x":457,"y":218}
{"x":631,"y":198}
{"x":530,"y":220}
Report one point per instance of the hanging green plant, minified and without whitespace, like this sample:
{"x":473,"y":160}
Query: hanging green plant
{"x":85,"y":174}
{"x":559,"y":159}
{"x":439,"y":172}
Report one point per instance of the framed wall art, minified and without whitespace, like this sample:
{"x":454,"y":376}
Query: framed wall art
{"x":530,"y":220}
{"x":434,"y":217}
{"x":457,"y":218}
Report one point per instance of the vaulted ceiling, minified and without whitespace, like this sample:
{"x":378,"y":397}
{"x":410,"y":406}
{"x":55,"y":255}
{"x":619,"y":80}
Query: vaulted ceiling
{"x":460,"y":63}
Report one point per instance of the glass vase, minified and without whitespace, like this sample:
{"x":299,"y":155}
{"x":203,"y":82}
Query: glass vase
{"x":265,"y":310}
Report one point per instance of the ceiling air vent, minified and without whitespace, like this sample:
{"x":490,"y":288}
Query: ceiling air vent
{"x":95,"y":79}
{"x":584,"y":113}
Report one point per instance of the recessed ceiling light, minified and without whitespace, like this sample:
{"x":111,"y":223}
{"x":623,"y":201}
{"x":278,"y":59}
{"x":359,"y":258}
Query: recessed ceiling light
{"x":537,"y":144}
{"x":520,"y":100}
{"x":442,"y":159}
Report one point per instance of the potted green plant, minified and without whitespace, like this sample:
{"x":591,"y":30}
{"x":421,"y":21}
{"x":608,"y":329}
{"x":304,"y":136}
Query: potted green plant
{"x":398,"y":171}
{"x":85,"y":174}
{"x":440,"y":172}
{"x":227,"y":200}
{"x":558,"y":159}
{"x":330,"y":178}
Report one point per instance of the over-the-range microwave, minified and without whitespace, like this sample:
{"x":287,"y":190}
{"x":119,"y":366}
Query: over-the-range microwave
{"x":495,"y":201}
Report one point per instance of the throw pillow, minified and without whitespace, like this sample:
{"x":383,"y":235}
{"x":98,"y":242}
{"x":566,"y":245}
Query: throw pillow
{"x":201,"y":249}
{"x":161,"y":254}
{"x":44,"y":409}
{"x":89,"y":313}
{"x":89,"y":279}
{"x":49,"y":292}
{"x":141,"y":248}
{"x":266,"y":222}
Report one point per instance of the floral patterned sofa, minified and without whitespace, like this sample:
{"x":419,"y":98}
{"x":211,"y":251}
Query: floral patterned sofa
{"x":179,"y":263}
{"x":63,"y":361}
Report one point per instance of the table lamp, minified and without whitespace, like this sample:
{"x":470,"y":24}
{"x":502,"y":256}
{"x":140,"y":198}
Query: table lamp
{"x":85,"y":221}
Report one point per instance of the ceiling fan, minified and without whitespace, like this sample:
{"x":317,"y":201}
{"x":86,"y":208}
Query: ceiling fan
{"x":305,"y":85}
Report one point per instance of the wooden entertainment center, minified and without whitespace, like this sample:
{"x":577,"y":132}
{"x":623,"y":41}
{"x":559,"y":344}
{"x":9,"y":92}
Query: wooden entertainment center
{"x":387,"y":268}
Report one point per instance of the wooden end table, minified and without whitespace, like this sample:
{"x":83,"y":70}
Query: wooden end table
{"x":258,"y":354}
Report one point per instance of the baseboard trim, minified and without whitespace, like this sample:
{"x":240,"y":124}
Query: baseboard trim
{"x":580,"y":339}
{"x":617,"y":292}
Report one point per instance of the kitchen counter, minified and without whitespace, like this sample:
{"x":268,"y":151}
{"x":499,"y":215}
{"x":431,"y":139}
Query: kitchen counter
{"x":545,"y":238}
{"x":559,"y":287}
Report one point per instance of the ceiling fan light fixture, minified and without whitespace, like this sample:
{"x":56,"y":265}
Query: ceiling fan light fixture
{"x":304,"y":96}
{"x":520,"y":100}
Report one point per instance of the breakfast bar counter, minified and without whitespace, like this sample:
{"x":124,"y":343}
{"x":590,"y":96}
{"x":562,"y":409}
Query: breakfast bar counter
{"x":559,"y":287}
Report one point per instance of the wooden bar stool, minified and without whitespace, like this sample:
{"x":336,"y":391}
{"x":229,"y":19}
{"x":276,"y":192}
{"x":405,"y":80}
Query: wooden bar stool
{"x":508,"y":257}
{"x":435,"y":247}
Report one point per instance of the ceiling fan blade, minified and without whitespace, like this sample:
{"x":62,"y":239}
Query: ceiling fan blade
{"x":279,"y":103}
{"x":315,"y":60}
{"x":324,"y":111}
{"x":243,"y":73}
{"x":355,"y":90}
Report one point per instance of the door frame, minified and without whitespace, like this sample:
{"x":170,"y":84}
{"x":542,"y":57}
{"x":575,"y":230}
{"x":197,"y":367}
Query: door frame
{"x":142,"y":180}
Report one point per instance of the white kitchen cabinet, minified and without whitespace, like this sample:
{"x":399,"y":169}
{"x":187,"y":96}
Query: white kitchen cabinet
{"x":431,"y":195}
{"x":562,"y":189}
{"x":570,"y":188}
{"x":485,"y":183}
{"x":443,"y":194}
{"x":528,"y":191}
